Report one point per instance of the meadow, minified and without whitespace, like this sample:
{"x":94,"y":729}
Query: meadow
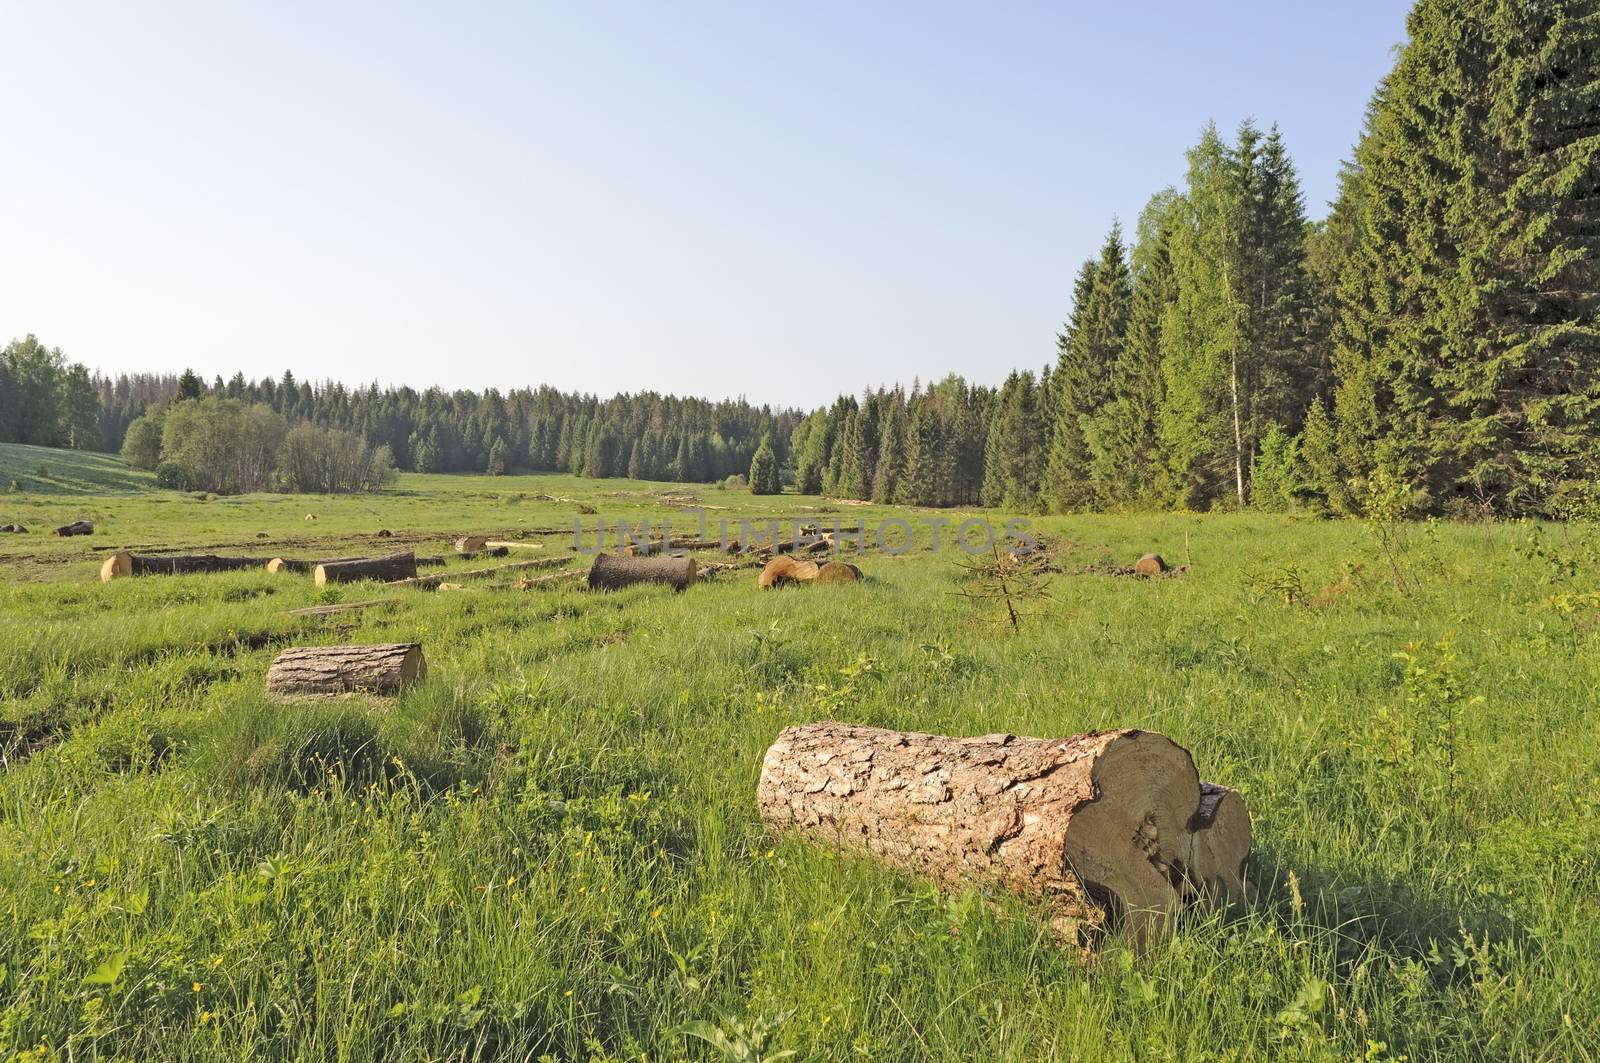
{"x":549,"y":849}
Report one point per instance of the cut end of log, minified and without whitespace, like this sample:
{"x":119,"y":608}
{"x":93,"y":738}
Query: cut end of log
{"x":329,"y":671}
{"x":1219,"y":845}
{"x":784,"y":569}
{"x":1150,"y":565}
{"x":388,"y":569}
{"x":117,"y":566}
{"x":276,"y":565}
{"x":838,"y":572}
{"x":471,"y":544}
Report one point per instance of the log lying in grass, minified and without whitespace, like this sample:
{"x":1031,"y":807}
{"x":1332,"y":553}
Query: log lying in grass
{"x":77,"y":527}
{"x":13,"y":529}
{"x":495,"y":544}
{"x":322,"y":671}
{"x":432,"y":582}
{"x":342,"y":607}
{"x":838,"y":572}
{"x":1088,"y":825}
{"x":492,"y":551}
{"x":471,"y":544}
{"x":393,"y":567}
{"x":1150,"y":565}
{"x":122,"y":563}
{"x":653,"y":547}
{"x":1219,"y":844}
{"x":527,"y":583}
{"x":612,"y":572}
{"x":783,"y":570}
{"x":292,"y":564}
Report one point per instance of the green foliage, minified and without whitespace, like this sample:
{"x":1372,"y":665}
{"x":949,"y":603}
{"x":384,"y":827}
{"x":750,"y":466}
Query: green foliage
{"x":1276,"y":474}
{"x":764,"y":470}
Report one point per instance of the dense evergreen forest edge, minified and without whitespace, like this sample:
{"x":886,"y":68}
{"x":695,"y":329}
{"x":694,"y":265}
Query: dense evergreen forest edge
{"x":1432,"y":345}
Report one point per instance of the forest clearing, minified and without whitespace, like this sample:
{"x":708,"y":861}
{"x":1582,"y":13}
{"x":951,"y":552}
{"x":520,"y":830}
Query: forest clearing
{"x":548,"y":844}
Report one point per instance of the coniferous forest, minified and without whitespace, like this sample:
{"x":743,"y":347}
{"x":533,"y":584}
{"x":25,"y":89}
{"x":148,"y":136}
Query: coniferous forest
{"x":1432,"y":343}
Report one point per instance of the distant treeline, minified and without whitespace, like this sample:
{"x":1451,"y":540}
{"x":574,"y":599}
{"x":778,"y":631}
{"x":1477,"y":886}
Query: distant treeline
{"x":1433,"y":345}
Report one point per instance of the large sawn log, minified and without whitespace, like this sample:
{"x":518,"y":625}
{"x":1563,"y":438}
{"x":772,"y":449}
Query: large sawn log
{"x":123,"y":563}
{"x":1095,"y":824}
{"x":612,"y":572}
{"x":393,"y":567}
{"x":322,"y":671}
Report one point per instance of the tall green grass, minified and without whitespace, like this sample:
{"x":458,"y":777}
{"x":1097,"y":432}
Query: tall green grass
{"x":550,"y":847}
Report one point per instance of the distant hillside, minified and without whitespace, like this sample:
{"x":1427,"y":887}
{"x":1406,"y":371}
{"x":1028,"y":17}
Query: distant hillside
{"x":49,"y":471}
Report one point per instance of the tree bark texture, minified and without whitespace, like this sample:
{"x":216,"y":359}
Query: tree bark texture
{"x":321,"y":671}
{"x":393,"y":567}
{"x":1089,"y":825}
{"x":612,"y":572}
{"x":122,"y":564}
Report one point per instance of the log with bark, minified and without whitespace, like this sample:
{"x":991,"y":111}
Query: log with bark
{"x":1150,"y":565}
{"x":77,"y":527}
{"x":325,"y":671}
{"x":471,"y":544}
{"x":432,"y":582}
{"x":1096,"y":824}
{"x":783,"y":570}
{"x":393,"y":567}
{"x":492,"y":551}
{"x":14,"y":529}
{"x":302,"y":565}
{"x":123,"y":563}
{"x":612,"y":572}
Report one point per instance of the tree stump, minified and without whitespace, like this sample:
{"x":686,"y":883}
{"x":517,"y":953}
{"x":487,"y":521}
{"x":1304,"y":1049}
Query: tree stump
{"x":392,"y":567}
{"x":1089,"y":825}
{"x":1150,"y":565}
{"x":612,"y":572}
{"x":327,"y":671}
{"x":123,"y":563}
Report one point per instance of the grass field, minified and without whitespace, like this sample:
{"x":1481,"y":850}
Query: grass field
{"x":550,"y":848}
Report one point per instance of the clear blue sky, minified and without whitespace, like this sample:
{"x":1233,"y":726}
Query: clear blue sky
{"x":777,"y":200}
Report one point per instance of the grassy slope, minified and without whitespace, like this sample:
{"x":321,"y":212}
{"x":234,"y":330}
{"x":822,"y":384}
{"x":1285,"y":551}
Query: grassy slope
{"x":551,"y":845}
{"x":47,"y":471}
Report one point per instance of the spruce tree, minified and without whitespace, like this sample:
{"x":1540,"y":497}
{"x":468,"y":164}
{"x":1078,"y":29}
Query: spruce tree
{"x":764,"y":470}
{"x":891,"y":451}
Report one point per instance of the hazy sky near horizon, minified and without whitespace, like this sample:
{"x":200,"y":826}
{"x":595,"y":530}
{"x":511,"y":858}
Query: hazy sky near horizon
{"x":779,"y":201}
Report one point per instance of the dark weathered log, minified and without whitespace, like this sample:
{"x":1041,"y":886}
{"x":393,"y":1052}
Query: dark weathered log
{"x":1219,"y":845}
{"x":393,"y":567}
{"x":122,"y":564}
{"x":1150,"y":565}
{"x":342,"y":607}
{"x":432,"y":582}
{"x":77,"y":527}
{"x":1083,"y":825}
{"x":612,"y":572}
{"x":493,"y":551}
{"x":321,"y":671}
{"x":14,"y":529}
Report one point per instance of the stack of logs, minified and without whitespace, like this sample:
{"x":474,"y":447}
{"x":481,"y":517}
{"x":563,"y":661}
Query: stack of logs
{"x":1112,"y":823}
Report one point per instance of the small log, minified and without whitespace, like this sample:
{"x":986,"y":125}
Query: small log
{"x":14,"y":529}
{"x":1086,"y":825}
{"x":612,"y":572}
{"x":77,"y":527}
{"x":838,"y":572}
{"x":393,"y":567}
{"x":1150,"y":565}
{"x":471,"y":544}
{"x":342,"y":607}
{"x":493,"y":551}
{"x":324,"y":671}
{"x":429,"y":582}
{"x":529,"y":582}
{"x":384,"y":533}
{"x":292,"y":564}
{"x":1219,"y":844}
{"x":495,"y":544}
{"x":122,"y":563}
{"x":653,"y":547}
